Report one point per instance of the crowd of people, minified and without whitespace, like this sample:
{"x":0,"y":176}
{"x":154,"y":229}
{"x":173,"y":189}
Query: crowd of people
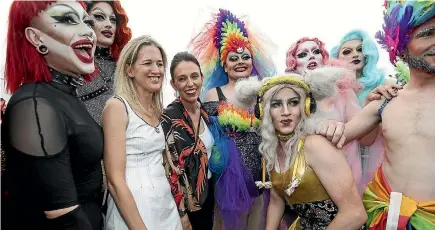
{"x":332,"y":143}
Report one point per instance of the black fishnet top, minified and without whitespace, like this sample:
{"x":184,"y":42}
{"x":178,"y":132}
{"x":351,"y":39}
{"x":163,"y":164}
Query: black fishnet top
{"x":53,"y":149}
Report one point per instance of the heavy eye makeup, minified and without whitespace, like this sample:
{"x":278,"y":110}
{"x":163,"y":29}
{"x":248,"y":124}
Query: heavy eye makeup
{"x":89,"y":22}
{"x":69,"y":16}
{"x":428,"y":32}
{"x":346,"y":51}
{"x":244,"y":57}
{"x":302,"y":54}
{"x":100,"y":16}
{"x":234,"y":58}
{"x":292,"y":102}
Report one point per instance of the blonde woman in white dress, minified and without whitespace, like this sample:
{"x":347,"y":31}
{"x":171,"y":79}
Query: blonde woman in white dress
{"x":140,"y":195}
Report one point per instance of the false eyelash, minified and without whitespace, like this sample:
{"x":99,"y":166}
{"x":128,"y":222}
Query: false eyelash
{"x":89,"y":22}
{"x":426,"y":32}
{"x":99,"y":16}
{"x":65,"y":19}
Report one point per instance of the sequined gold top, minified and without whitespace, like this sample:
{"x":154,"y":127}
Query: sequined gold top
{"x":309,"y":198}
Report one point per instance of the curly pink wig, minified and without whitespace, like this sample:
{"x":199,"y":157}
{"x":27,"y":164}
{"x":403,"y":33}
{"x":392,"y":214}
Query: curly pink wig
{"x":291,"y":53}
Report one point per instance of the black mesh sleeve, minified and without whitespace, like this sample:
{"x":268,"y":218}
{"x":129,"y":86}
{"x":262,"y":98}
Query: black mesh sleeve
{"x":37,"y":128}
{"x":38,"y":137}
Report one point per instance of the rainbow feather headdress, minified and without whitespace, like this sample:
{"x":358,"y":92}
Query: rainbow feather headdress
{"x":401,"y":17}
{"x":226,"y":33}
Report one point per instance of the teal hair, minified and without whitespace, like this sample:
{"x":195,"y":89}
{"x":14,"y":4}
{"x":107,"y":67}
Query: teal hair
{"x":371,"y":77}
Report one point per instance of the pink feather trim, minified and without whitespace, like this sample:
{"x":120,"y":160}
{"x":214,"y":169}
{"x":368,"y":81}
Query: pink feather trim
{"x":348,"y":79}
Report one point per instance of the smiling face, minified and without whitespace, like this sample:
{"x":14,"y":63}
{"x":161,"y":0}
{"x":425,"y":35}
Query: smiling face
{"x":65,"y":29}
{"x":352,"y":52}
{"x":421,"y":48}
{"x":105,"y":23}
{"x":148,"y":69}
{"x":187,"y":81}
{"x":285,"y":111}
{"x":238,"y":65}
{"x":308,"y":56}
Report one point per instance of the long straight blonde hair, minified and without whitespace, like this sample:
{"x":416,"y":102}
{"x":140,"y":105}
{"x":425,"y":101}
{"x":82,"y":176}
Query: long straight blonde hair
{"x":125,"y":86}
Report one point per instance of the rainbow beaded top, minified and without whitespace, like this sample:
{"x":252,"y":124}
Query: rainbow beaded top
{"x":236,"y":121}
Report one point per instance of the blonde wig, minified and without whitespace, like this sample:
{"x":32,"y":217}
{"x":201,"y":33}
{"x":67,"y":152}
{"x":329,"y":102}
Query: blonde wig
{"x":321,"y":83}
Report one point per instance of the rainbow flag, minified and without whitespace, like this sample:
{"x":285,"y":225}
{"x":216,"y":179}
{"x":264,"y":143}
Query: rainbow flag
{"x":413,"y":215}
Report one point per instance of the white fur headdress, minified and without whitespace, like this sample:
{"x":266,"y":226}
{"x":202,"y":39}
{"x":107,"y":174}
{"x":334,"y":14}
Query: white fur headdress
{"x":321,"y":83}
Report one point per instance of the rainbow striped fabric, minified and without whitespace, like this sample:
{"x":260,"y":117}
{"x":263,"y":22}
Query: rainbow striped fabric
{"x":413,"y":215}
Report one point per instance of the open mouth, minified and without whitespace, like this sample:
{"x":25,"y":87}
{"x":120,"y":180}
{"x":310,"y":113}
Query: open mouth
{"x":312,"y":65}
{"x":356,"y":62}
{"x":286,"y":122}
{"x":191,"y":92}
{"x":107,"y":33}
{"x":240,"y":69}
{"x":154,"y":79}
{"x":83,"y":51}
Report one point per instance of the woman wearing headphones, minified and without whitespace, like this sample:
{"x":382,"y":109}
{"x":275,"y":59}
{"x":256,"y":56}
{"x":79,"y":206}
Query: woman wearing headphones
{"x":305,"y":170}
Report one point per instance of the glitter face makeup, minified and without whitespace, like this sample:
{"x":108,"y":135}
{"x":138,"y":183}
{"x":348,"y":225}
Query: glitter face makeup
{"x":420,"y":51}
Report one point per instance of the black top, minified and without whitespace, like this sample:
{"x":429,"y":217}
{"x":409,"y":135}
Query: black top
{"x":54,"y":148}
{"x":95,"y":94}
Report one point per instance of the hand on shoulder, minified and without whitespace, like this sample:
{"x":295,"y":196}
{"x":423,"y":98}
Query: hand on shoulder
{"x":387,"y":91}
{"x":333,"y":131}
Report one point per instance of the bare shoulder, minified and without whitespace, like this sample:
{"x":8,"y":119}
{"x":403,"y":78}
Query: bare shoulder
{"x":316,"y":144}
{"x":114,"y":110}
{"x":211,"y":95}
{"x":318,"y":149}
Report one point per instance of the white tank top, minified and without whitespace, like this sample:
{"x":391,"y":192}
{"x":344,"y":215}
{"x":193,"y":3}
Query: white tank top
{"x":208,"y":140}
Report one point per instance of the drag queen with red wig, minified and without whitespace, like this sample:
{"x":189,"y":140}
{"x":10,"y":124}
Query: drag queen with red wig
{"x":112,"y":34}
{"x":53,"y":145}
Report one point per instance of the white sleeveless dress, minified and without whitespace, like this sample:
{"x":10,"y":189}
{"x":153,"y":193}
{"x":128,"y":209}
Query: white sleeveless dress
{"x":145,"y":178}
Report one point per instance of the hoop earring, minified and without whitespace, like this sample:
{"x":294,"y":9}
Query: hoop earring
{"x":42,"y":49}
